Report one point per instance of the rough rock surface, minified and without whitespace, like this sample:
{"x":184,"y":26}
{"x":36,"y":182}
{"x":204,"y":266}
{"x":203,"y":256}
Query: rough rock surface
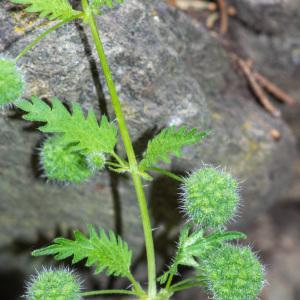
{"x":169,"y":70}
{"x":275,"y":53}
{"x":268,"y":33}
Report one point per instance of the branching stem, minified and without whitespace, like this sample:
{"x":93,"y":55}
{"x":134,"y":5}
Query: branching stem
{"x":138,"y":290}
{"x":133,"y":165}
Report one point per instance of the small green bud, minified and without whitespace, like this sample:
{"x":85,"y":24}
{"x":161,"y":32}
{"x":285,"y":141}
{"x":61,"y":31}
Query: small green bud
{"x":61,"y":163}
{"x":96,"y":161}
{"x":54,"y":285}
{"x":210,"y":197}
{"x":11,"y":82}
{"x":234,"y":273}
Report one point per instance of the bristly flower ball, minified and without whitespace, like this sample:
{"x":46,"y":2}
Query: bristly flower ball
{"x":234,"y":273}
{"x":11,"y":82}
{"x":96,"y":161}
{"x":210,"y":197}
{"x":61,"y":163}
{"x":54,"y":285}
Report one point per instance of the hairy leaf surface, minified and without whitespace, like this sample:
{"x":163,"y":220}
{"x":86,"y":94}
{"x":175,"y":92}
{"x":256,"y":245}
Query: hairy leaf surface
{"x":85,"y":133}
{"x":53,"y":10}
{"x":106,"y":252}
{"x":194,"y":246}
{"x":169,"y":141}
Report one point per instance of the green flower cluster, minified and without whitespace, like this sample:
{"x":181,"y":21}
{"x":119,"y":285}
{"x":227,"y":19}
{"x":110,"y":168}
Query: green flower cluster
{"x":210,"y":197}
{"x":60,"y":162}
{"x":54,"y":285}
{"x":11,"y":82}
{"x":234,"y":273}
{"x":210,"y":201}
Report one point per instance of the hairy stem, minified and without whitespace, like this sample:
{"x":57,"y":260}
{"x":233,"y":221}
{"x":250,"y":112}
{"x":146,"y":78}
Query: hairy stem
{"x":133,"y":165}
{"x":45,"y":33}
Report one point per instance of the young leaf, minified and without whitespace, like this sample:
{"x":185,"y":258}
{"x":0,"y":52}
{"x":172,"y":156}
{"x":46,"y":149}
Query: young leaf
{"x":84,"y":133}
{"x":169,"y":141}
{"x":196,"y":245}
{"x":53,"y":10}
{"x":225,"y":236}
{"x":182,"y":256}
{"x":104,"y":251}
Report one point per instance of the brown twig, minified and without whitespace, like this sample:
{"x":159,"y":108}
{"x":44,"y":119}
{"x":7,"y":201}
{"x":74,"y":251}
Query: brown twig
{"x":274,"y":89}
{"x":223,"y":16}
{"x":257,"y":89}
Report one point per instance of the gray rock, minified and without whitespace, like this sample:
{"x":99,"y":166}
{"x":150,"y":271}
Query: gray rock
{"x":169,"y":70}
{"x":269,"y":16}
{"x":268,"y":32}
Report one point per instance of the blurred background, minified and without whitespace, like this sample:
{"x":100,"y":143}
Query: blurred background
{"x":228,"y":66}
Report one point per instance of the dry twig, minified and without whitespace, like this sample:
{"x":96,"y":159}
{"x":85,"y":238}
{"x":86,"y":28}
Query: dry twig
{"x":259,"y":83}
{"x":274,"y":89}
{"x":219,"y":10}
{"x":223,"y":16}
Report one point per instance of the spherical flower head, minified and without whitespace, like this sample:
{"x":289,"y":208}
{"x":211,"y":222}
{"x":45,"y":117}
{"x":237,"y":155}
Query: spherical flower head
{"x":11,"y":82}
{"x":61,"y":163}
{"x":96,"y":161}
{"x":54,"y":285}
{"x":234,"y":273}
{"x":210,"y":197}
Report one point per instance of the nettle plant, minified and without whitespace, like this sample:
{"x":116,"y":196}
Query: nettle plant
{"x":79,"y":146}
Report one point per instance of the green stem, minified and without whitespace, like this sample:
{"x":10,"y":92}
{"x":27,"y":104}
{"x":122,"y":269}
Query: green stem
{"x":45,"y":33}
{"x":108,"y":292}
{"x":139,"y":291}
{"x":119,"y":159}
{"x":129,"y":151}
{"x":185,"y":287}
{"x":184,"y":284}
{"x":169,"y":281}
{"x":110,"y":163}
{"x":167,"y":173}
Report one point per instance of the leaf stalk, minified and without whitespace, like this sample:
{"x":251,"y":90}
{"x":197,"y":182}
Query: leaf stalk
{"x":45,"y":33}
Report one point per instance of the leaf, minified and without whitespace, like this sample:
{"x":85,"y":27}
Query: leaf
{"x":52,"y":9}
{"x":183,"y":257}
{"x":223,"y":236}
{"x":102,"y":3}
{"x":169,"y":141}
{"x":193,"y":246}
{"x":106,"y":252}
{"x":85,"y":133}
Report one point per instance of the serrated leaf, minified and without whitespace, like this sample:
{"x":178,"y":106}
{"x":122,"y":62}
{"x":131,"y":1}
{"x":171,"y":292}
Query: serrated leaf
{"x":53,"y":10}
{"x":223,"y":236}
{"x":195,"y":245}
{"x":169,"y":141}
{"x":106,"y":252}
{"x":183,"y":257}
{"x":85,"y":133}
